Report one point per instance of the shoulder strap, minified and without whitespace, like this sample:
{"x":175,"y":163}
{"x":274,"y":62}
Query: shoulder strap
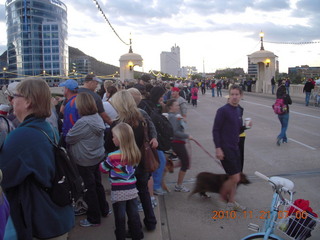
{"x":41,"y":130}
{"x":7,"y":121}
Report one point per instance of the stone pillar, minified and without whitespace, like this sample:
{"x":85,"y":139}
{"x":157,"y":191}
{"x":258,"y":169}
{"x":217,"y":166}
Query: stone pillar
{"x":266,"y":61}
{"x":127,"y":63}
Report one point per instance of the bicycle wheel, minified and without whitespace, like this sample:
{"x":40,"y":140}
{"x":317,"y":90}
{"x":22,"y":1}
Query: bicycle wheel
{"x":258,"y":237}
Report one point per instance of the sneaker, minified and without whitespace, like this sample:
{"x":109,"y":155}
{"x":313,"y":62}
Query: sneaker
{"x":107,"y":214}
{"x":235,"y":207}
{"x":140,"y":208}
{"x":154,"y":202}
{"x":181,"y":189}
{"x":86,"y":223}
{"x":173,"y":157}
{"x":80,"y":211}
{"x":278,"y":141}
{"x":159,"y":191}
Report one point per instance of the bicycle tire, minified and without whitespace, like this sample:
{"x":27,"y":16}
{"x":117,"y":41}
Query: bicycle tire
{"x":259,"y":237}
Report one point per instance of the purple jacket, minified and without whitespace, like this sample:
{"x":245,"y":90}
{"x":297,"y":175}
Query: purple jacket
{"x":227,"y":127}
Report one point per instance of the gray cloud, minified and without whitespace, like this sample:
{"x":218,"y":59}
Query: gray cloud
{"x":219,"y":6}
{"x":271,"y":5}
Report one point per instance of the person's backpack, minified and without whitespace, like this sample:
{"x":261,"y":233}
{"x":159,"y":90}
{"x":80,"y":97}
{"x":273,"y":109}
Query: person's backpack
{"x":67,"y":186}
{"x":279,"y":107}
{"x":164,"y":130}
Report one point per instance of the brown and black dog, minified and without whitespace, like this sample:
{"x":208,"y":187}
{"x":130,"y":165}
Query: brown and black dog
{"x":210,"y":182}
{"x":168,"y":168}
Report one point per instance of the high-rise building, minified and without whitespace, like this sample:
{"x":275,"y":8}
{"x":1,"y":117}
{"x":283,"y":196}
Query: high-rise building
{"x":37,"y":34}
{"x":252,"y":70}
{"x":170,"y":61}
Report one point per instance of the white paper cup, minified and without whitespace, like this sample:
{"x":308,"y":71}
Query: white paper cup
{"x":247,"y":122}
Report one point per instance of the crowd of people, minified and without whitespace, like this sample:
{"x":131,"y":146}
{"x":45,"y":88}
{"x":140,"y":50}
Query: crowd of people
{"x":103,"y":132}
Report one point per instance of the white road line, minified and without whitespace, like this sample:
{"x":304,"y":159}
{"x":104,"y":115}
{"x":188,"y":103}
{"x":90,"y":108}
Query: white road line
{"x":305,"y":145}
{"x":298,"y":113}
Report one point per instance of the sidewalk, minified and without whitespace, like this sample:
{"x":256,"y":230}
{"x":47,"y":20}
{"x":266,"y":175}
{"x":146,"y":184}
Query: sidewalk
{"x":299,"y":100}
{"x":107,"y":227}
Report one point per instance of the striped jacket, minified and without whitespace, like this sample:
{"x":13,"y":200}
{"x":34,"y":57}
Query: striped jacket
{"x":121,"y":176}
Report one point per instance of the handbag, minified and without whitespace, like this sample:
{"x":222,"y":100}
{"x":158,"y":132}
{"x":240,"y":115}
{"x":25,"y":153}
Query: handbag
{"x":149,"y":155}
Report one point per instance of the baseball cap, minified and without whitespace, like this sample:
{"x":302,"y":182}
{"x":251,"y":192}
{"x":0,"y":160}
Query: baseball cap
{"x":70,"y":84}
{"x":92,"y":77}
{"x":4,"y":109}
{"x":11,"y":89}
{"x":175,"y":89}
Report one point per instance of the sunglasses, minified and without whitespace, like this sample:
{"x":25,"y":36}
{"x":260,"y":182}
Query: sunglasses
{"x":17,"y":95}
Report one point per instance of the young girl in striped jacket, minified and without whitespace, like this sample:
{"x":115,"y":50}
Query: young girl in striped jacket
{"x":120,"y":165}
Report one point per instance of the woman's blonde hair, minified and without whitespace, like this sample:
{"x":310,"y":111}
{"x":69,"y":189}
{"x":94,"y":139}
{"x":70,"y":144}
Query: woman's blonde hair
{"x":85,"y":104}
{"x":38,"y":93}
{"x":127,"y":143}
{"x":126,"y":107}
{"x":135,"y":94}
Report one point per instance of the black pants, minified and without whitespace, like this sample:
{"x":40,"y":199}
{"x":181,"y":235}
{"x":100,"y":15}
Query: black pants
{"x":95,"y":196}
{"x":241,"y":149}
{"x":149,"y":220}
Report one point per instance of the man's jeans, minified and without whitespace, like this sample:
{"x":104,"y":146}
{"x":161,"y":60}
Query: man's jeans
{"x":157,"y":175}
{"x":284,"y":120}
{"x":307,"y":98}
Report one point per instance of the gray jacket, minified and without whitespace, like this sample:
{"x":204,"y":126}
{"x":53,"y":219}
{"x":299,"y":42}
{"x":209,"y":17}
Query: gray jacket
{"x":178,"y":130}
{"x":183,"y":106}
{"x":85,"y":140}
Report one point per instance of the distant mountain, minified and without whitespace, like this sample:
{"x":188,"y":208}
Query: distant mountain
{"x":98,"y":67}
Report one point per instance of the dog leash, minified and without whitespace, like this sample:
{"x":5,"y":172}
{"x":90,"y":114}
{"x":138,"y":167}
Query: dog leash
{"x":209,"y":154}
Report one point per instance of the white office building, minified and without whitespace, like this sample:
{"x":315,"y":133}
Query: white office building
{"x":170,"y":61}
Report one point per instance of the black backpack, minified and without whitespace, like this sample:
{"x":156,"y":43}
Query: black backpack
{"x":164,"y":130}
{"x":68,"y":185}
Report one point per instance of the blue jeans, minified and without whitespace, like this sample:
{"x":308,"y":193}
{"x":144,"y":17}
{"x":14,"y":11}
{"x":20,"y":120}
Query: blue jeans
{"x":308,"y":94}
{"x":212,"y":91}
{"x":219,"y":93}
{"x":272,"y":88}
{"x":157,"y":175}
{"x":131,"y":208}
{"x":284,"y":120}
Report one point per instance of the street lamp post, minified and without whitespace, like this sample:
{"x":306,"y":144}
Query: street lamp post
{"x":261,"y":34}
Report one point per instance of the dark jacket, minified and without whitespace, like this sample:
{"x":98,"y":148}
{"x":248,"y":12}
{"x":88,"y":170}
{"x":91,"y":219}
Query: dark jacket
{"x":27,"y":161}
{"x":282,"y":93}
{"x":308,"y":87}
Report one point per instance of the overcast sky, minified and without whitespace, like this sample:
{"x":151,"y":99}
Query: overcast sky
{"x":211,"y":34}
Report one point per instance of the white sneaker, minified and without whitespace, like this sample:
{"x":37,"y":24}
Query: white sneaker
{"x":181,"y":189}
{"x":154,"y":202}
{"x":235,"y":207}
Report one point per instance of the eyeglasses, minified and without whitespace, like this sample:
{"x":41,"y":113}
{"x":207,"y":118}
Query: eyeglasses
{"x":17,"y":95}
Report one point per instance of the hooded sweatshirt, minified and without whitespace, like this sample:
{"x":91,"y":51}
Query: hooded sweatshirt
{"x":85,"y":140}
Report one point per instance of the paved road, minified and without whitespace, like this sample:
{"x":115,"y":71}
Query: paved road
{"x":298,"y":160}
{"x":181,"y":218}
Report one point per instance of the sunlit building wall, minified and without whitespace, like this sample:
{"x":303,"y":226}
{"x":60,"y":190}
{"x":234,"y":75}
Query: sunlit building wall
{"x":37,"y":35}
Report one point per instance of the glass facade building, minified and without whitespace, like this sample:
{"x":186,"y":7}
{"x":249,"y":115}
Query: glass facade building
{"x":37,"y":35}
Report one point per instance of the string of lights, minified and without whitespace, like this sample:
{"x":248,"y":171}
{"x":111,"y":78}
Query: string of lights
{"x":294,"y":43}
{"x":45,"y":75}
{"x":105,"y":17}
{"x":157,"y":74}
